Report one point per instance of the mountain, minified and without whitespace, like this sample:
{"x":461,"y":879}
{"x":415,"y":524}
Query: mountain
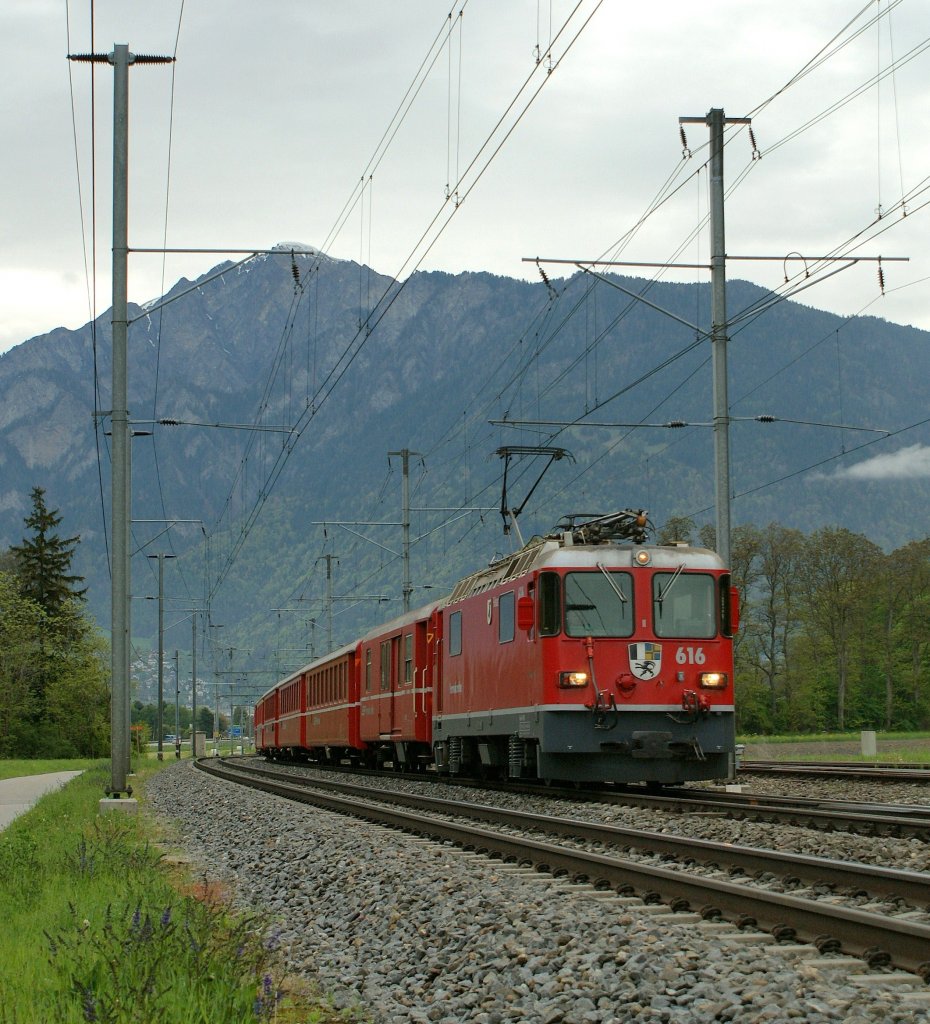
{"x":339,"y":366}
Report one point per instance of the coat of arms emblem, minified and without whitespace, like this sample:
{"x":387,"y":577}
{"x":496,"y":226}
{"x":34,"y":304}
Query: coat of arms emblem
{"x":645,"y":660}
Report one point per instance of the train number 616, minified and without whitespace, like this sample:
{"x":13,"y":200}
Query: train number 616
{"x":690,"y":656}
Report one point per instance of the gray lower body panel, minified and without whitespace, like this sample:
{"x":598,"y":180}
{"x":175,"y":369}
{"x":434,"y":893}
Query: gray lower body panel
{"x":621,"y":746}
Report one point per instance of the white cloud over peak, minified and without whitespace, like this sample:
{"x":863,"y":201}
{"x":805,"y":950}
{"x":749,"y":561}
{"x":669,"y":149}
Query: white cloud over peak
{"x":909,"y":463}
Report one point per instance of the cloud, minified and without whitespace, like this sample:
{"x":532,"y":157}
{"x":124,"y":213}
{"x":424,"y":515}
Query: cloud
{"x":905,"y":464}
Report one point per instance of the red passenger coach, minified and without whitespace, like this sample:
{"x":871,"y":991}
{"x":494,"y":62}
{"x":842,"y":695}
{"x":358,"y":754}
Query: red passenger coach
{"x":397,"y":666}
{"x":331,"y":686}
{"x":314,"y":712}
{"x":264,"y":721}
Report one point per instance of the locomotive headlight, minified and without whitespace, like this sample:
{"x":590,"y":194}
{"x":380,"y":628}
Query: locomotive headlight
{"x":570,"y":679}
{"x":642,"y":557}
{"x":713,"y":680}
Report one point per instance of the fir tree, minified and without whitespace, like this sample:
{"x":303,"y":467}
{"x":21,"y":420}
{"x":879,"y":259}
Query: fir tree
{"x":43,"y":560}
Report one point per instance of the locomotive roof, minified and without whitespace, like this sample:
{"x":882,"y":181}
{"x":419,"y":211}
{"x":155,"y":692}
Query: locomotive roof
{"x":555,"y":553}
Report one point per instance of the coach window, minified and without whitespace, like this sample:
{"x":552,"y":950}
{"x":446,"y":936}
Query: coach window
{"x":455,"y":634}
{"x":368,"y":670}
{"x":598,"y":603}
{"x":550,"y":604}
{"x":505,"y":618}
{"x":386,"y":665}
{"x":408,"y":658}
{"x":684,"y":605}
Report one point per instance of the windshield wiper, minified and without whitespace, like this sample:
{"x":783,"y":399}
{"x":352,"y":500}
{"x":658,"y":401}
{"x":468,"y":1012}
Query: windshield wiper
{"x":609,"y":579}
{"x":664,"y":593}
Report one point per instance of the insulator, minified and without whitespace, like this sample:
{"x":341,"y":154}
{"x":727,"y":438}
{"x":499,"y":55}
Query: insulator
{"x":545,"y":277}
{"x":675,"y":424}
{"x":881,"y":277}
{"x":295,"y":273}
{"x":685,"y":152}
{"x":765,"y":418}
{"x":756,"y":155}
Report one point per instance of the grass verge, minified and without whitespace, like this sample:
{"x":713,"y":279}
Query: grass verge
{"x":16,"y":769}
{"x":98,"y":928}
{"x":906,"y":747}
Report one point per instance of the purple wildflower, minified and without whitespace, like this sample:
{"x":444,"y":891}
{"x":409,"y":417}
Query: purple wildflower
{"x":90,"y":1006}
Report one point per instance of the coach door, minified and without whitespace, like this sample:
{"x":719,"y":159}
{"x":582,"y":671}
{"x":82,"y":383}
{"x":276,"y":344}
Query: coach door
{"x":422,"y":677}
{"x":390,"y":676}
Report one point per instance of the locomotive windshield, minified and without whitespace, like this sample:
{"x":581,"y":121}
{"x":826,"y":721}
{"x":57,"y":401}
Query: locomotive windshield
{"x":683,"y":605}
{"x":598,"y":604}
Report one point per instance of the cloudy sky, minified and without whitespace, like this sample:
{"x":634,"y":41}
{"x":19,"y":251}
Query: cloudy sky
{"x":265,"y":129}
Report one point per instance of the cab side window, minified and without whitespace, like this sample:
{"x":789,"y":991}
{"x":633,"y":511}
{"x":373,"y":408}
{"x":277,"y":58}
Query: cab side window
{"x":505,"y":618}
{"x":550,"y":604}
{"x":455,"y":634}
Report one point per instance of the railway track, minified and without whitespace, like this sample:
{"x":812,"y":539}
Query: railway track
{"x":871,"y":819}
{"x":877,"y":938}
{"x":827,"y":815}
{"x":840,"y":769}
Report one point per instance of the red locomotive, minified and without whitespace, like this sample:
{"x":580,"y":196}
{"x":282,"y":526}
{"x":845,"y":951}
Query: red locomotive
{"x":588,"y":655}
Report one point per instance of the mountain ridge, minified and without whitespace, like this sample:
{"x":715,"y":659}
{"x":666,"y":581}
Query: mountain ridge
{"x":264,"y":343}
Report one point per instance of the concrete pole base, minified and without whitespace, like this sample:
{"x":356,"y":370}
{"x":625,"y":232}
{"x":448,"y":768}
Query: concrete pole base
{"x":126,"y":806}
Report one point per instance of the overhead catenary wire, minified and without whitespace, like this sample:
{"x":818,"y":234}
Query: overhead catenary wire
{"x":751,"y":313}
{"x":794,"y":80}
{"x":468,"y":180}
{"x":90,"y":271}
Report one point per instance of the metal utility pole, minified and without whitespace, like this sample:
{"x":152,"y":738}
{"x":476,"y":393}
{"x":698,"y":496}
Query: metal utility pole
{"x":715,"y":120}
{"x":329,"y":559}
{"x":405,"y":454}
{"x":177,"y":704}
{"x":119,"y":418}
{"x":120,"y":59}
{"x":193,"y":683}
{"x":161,"y":649}
{"x":329,"y":604}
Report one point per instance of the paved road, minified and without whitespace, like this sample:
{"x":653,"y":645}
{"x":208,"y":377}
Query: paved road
{"x":18,"y":795}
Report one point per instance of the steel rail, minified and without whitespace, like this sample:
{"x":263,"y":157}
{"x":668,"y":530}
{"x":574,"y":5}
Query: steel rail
{"x":839,"y":815}
{"x":827,"y":814}
{"x":875,"y":938}
{"x":842,"y":769}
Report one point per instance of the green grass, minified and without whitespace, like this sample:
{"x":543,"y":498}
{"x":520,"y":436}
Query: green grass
{"x":96,"y":926}
{"x":13,"y":769}
{"x":905,"y":747}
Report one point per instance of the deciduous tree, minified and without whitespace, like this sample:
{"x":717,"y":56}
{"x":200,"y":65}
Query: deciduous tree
{"x":21,"y":625}
{"x":837,"y":574}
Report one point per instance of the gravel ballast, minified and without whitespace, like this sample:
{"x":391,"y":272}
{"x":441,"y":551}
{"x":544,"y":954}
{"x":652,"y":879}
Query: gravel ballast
{"x":414,"y":931}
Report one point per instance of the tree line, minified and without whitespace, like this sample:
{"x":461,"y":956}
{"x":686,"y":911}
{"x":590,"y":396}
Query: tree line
{"x":834,"y":633}
{"x":146,"y":715}
{"x":834,"y":636}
